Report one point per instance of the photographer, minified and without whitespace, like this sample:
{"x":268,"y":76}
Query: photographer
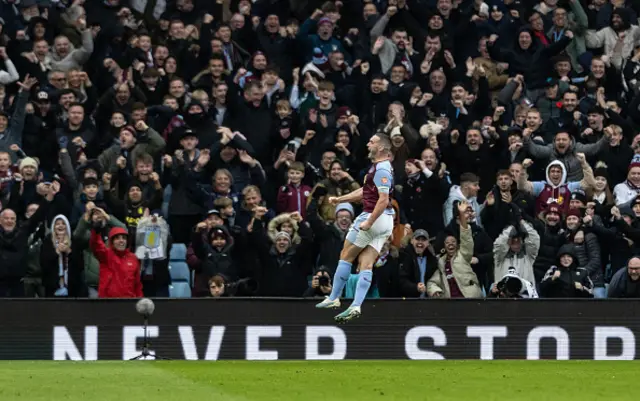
{"x":513,"y":286}
{"x":320,"y":285}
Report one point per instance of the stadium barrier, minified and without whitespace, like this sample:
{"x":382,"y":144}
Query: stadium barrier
{"x":287,"y":329}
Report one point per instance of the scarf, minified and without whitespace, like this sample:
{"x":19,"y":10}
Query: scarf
{"x":411,"y":179}
{"x":63,"y":275}
{"x":633,"y":187}
{"x":382,"y":260}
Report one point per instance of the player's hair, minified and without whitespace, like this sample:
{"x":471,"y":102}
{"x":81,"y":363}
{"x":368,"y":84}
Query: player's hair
{"x":468,"y":178}
{"x":384,"y":142}
{"x":297,"y":166}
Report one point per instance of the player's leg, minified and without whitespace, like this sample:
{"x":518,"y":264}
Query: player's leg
{"x":350,"y":251}
{"x":367,"y":258}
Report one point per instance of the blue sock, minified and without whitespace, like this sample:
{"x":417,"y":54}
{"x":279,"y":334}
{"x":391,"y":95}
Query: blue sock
{"x":343,"y":271}
{"x":364,"y":282}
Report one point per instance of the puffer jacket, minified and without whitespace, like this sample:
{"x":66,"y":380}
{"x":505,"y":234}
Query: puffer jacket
{"x":588,"y":254}
{"x":119,"y":270}
{"x":463,"y":273}
{"x":551,"y":239}
{"x":564,"y":286}
{"x":81,"y":237}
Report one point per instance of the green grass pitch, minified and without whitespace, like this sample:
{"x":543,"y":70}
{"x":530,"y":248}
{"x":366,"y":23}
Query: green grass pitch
{"x":331,"y":381}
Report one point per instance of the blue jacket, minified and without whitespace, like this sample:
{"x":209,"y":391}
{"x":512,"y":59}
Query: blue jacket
{"x":312,"y":40}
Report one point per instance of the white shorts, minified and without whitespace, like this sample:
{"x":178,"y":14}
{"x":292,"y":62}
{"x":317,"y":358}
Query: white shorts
{"x":374,"y":237}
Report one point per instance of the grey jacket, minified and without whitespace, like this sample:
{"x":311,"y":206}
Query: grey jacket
{"x":578,"y":24}
{"x":13,"y":133}
{"x":76,"y":57}
{"x":569,"y":159}
{"x":388,"y":52}
{"x":108,"y":158}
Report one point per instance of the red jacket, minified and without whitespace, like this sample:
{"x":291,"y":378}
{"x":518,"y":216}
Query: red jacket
{"x":119,"y":271}
{"x":292,"y":199}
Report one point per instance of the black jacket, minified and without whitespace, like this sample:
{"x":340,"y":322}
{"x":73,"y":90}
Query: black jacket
{"x":422,"y":201}
{"x":213,"y":261}
{"x":565,"y":285}
{"x":622,"y":286}
{"x":498,"y":216}
{"x":282,"y":275}
{"x":14,"y":245}
{"x":410,"y":271}
{"x":327,"y":237}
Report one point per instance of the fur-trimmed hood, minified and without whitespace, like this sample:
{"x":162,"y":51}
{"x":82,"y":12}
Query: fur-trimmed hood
{"x":276,"y":222}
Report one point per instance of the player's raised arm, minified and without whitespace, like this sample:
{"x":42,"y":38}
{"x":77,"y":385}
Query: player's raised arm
{"x":351,"y":197}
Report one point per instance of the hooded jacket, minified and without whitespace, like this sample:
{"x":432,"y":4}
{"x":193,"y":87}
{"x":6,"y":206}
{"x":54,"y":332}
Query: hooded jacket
{"x":50,"y":262}
{"x":119,"y":270}
{"x":455,"y":194}
{"x":547,"y":192}
{"x":565,"y":285}
{"x":276,"y":222}
{"x":213,"y":261}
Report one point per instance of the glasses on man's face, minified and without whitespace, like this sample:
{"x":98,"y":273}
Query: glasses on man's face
{"x":60,"y":79}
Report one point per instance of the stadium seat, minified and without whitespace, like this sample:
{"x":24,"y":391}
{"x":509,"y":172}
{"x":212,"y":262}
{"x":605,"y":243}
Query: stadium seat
{"x":180,"y":289}
{"x":180,"y":280}
{"x":178,"y":253}
{"x":179,"y":271}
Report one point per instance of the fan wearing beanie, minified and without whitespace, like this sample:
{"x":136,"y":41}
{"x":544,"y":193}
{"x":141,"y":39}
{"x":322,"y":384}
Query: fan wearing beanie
{"x":624,"y":192}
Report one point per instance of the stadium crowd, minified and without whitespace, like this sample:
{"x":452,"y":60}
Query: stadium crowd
{"x":128,"y":126}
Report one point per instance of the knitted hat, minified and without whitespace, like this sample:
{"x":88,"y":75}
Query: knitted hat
{"x":319,"y":59}
{"x":635,"y":201}
{"x":553,"y":208}
{"x":345,"y":206}
{"x":283,"y":234}
{"x":343,"y":111}
{"x":635,"y":162}
{"x":580,"y":196}
{"x":325,"y":20}
{"x":28,"y":161}
{"x":574,"y":212}
{"x":129,"y":129}
{"x":601,"y":171}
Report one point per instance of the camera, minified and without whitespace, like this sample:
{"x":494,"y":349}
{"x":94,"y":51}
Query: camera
{"x":243,"y":287}
{"x":323,"y":281}
{"x":291,"y":148}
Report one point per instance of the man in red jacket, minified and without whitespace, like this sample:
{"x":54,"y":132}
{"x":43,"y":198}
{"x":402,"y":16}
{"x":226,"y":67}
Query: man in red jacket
{"x":119,"y":267}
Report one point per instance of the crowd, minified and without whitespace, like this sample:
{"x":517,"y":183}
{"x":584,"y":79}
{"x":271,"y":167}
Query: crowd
{"x":128,"y":126}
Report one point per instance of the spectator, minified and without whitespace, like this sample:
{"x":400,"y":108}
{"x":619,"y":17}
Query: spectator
{"x":566,"y":280}
{"x":516,"y":249}
{"x":417,"y":265}
{"x":624,"y":284}
{"x":466,"y":192}
{"x":513,"y":286}
{"x":455,"y":277}
{"x":119,"y":267}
